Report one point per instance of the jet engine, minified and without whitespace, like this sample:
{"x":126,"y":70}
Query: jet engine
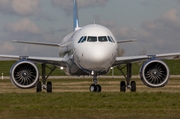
{"x":154,"y":73}
{"x":24,"y":74}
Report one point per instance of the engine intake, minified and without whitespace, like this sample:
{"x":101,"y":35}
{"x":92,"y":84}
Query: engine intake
{"x":154,"y":73}
{"x":24,"y":74}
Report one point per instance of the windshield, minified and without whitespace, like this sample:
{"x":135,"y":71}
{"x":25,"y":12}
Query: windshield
{"x":95,"y":39}
{"x":111,"y":39}
{"x":102,"y":39}
{"x":92,"y":39}
{"x":82,"y":39}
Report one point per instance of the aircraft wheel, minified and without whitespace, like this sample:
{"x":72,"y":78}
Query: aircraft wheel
{"x":133,"y":86}
{"x":39,"y":87}
{"x":93,"y":88}
{"x":49,"y":87}
{"x":122,"y":86}
{"x":98,"y":88}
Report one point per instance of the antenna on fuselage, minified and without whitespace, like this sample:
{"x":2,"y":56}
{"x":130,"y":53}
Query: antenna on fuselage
{"x":75,"y":15}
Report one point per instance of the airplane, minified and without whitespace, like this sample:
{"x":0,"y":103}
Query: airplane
{"x":88,"y":50}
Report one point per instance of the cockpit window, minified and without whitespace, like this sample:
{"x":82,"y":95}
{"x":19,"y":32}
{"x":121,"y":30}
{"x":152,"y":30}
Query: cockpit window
{"x":82,"y":39}
{"x":92,"y":39}
{"x":111,"y":39}
{"x":95,"y":39}
{"x":102,"y":39}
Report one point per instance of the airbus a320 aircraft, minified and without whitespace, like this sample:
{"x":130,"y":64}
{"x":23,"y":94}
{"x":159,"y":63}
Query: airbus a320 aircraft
{"x":91,"y":49}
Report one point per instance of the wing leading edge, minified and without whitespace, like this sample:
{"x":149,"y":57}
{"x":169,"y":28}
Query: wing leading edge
{"x":129,"y":59}
{"x":37,"y":43}
{"x":125,"y":41}
{"x":47,"y":60}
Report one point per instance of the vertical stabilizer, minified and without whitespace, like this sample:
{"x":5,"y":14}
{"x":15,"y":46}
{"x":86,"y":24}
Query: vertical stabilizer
{"x":75,"y":12}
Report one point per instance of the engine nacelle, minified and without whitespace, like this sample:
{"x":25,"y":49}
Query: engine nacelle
{"x":154,"y":73}
{"x":24,"y":74}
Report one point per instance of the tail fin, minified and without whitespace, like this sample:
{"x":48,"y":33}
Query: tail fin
{"x":76,"y":20}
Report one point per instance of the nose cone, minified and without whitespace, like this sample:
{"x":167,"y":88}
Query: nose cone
{"x":96,"y":60}
{"x":97,"y":57}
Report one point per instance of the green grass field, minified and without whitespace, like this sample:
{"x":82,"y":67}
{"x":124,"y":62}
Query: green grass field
{"x":71,"y":99}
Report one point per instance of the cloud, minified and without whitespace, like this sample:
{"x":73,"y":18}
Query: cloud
{"x":20,"y":7}
{"x":178,"y":1}
{"x":121,"y":32}
{"x":23,"y":26}
{"x":162,"y":33}
{"x":67,"y":5}
{"x":144,"y":3}
{"x":26,"y":30}
{"x":171,"y":15}
{"x":6,"y":47}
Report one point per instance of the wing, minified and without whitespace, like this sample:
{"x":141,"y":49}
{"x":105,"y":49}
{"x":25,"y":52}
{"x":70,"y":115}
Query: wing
{"x":57,"y":61}
{"x":125,"y":41}
{"x":37,"y":43}
{"x":129,"y":59}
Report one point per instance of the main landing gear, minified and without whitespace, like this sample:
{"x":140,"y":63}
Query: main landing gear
{"x":47,"y":86}
{"x":128,"y":75}
{"x":95,"y":87}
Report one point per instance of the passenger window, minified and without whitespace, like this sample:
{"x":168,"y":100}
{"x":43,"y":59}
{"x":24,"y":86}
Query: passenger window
{"x":92,"y":39}
{"x":102,"y":39}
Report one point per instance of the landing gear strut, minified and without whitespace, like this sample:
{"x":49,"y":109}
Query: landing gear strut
{"x":128,"y":75}
{"x":95,"y":87}
{"x":43,"y":86}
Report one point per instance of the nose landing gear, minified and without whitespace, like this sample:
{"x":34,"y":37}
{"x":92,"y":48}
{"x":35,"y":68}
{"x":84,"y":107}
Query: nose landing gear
{"x":95,"y":87}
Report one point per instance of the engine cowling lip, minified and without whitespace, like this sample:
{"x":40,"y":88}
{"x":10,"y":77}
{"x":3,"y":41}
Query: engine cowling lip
{"x":142,"y":70}
{"x":15,"y":82}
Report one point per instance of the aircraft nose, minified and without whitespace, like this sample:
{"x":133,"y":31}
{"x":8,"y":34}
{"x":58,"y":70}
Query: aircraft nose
{"x":98,"y":55}
{"x":97,"y":58}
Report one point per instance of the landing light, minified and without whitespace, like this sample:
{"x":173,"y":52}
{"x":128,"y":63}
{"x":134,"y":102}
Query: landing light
{"x":92,"y":73}
{"x":61,"y":68}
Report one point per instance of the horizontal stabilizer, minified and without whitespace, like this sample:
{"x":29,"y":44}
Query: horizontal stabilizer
{"x":37,"y":43}
{"x":125,"y":41}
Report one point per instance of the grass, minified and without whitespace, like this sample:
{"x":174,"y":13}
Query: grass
{"x":72,"y":99}
{"x":91,"y":105}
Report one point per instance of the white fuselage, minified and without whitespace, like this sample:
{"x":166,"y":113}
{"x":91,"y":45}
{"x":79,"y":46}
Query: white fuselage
{"x":91,"y":48}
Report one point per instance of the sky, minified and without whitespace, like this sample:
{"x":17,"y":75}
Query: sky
{"x":154,"y":23}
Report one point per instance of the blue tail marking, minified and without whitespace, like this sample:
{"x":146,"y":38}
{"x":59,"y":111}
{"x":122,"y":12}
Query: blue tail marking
{"x":76,"y":20}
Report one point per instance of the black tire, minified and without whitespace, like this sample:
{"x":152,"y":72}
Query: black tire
{"x":49,"y":87}
{"x":122,"y":86}
{"x":98,"y":88}
{"x":133,"y":86}
{"x":93,"y":88}
{"x":39,"y":87}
